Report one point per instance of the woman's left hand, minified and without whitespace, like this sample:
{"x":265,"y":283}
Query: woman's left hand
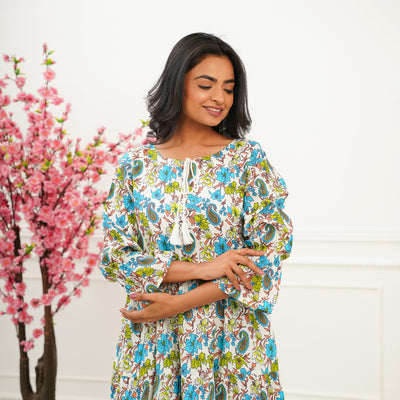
{"x":162,"y":305}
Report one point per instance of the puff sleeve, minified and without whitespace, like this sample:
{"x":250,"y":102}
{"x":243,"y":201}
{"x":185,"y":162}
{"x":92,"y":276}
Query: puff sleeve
{"x":265,"y":227}
{"x":124,"y":258}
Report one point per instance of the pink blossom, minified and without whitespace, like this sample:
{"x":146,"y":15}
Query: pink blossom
{"x":93,"y":260}
{"x":4,"y":101}
{"x":46,"y":93}
{"x":85,"y":282}
{"x":35,"y":303}
{"x":6,"y":58}
{"x":20,"y":81}
{"x":45,"y":47}
{"x":10,"y":235}
{"x":64,"y":301}
{"x":28,"y":345}
{"x":49,"y":74}
{"x":11,"y":310}
{"x":6,"y":262}
{"x":25,"y":318}
{"x":57,"y":100}
{"x":37,"y":333}
{"x":20,"y":289}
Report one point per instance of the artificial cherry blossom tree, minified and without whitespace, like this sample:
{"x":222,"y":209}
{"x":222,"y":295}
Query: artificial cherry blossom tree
{"x":47,"y":188}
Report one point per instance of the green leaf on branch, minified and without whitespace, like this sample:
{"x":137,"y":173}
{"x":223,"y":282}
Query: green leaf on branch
{"x":29,"y":248}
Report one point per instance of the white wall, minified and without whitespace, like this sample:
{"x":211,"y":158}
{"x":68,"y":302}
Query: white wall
{"x":324,"y":94}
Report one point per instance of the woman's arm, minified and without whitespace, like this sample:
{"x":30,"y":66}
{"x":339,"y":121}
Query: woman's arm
{"x":226,"y":264}
{"x":164,"y":305}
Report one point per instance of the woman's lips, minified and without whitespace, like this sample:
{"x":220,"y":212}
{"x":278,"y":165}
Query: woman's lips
{"x":215,"y":111}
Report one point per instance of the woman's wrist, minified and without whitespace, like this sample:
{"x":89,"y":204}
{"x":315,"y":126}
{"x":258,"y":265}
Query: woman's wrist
{"x":206,"y":293}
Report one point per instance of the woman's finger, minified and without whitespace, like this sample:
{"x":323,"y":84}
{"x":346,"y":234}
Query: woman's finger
{"x":241,"y":274}
{"x":246,"y":261}
{"x":231,"y":276}
{"x":253,"y":252}
{"x":142,"y":296}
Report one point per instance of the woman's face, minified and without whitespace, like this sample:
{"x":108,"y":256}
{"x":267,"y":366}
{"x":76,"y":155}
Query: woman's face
{"x":208,"y":91}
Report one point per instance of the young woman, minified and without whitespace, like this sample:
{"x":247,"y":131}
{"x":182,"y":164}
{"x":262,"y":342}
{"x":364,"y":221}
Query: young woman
{"x":195,"y":232}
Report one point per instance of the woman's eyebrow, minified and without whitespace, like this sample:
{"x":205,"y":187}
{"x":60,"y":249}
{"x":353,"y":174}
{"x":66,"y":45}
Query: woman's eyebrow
{"x":210,"y":78}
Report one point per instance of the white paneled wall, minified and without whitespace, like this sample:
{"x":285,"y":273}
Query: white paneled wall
{"x":324,"y":93}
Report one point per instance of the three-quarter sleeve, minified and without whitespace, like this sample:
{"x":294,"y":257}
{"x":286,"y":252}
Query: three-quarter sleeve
{"x":265,"y":227}
{"x":124,"y":258}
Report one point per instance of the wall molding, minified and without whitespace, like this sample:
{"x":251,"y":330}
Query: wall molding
{"x":65,"y":378}
{"x":334,"y":235}
{"x":345,"y":235}
{"x":305,"y":395}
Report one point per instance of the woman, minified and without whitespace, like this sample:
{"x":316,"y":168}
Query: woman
{"x":195,"y":232}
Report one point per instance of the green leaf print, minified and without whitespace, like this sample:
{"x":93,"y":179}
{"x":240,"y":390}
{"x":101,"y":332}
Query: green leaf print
{"x":256,"y":282}
{"x":116,"y":235}
{"x":143,"y":219}
{"x":172,"y":187}
{"x":230,"y":189}
{"x":128,"y":332}
{"x":145,"y":271}
{"x":239,"y":361}
{"x":153,"y":154}
{"x":277,"y":217}
{"x":202,"y":221}
{"x":225,"y":359}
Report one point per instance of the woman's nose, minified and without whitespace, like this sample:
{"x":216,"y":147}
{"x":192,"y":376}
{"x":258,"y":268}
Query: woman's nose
{"x":218,"y":95}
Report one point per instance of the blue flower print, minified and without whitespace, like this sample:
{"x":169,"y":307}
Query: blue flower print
{"x":163,"y":243}
{"x":193,"y":344}
{"x":129,"y":203}
{"x":121,"y":221}
{"x":221,"y":246}
{"x":280,"y":203}
{"x":141,"y":353}
{"x":106,"y":222}
{"x":138,"y":197}
{"x":271,"y":348}
{"x":185,"y":370}
{"x":164,"y":344}
{"x":190,"y":393}
{"x":157,"y":194}
{"x":166,"y":173}
{"x":217,"y":195}
{"x":268,"y":207}
{"x":193,"y":202}
{"x":224,"y":175}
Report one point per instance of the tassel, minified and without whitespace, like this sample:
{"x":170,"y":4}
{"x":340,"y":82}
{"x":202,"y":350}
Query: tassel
{"x":187,"y":239}
{"x":175,"y":237}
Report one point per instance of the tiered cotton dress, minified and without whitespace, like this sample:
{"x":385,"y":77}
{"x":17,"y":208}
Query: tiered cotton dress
{"x":231,"y":199}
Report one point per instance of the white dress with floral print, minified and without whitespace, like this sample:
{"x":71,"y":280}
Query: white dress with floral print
{"x":231,"y":199}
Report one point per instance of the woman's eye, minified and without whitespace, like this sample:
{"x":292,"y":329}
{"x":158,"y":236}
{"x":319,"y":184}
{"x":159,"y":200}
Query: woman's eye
{"x":204,"y":87}
{"x":229,"y":91}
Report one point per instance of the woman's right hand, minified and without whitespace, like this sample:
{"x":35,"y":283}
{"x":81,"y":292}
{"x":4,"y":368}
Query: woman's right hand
{"x":227,"y":264}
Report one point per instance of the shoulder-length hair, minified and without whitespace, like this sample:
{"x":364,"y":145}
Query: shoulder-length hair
{"x":164,"y":100}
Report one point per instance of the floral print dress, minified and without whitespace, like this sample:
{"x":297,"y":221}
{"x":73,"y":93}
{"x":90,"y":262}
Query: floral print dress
{"x":228,"y":200}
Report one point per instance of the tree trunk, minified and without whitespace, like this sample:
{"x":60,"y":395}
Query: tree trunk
{"x":46,"y":367}
{"x":24,"y":379}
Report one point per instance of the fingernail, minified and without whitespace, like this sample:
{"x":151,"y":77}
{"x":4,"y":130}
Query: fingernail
{"x":132,"y":296}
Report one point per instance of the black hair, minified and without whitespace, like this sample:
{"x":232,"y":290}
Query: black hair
{"x":164,"y":100}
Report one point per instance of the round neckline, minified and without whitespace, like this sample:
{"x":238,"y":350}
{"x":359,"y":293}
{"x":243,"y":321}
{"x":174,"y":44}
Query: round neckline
{"x":213,"y":155}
